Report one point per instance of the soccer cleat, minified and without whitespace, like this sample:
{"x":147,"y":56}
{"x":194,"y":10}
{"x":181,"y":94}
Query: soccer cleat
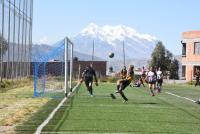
{"x":125,"y":101}
{"x":117,"y":91}
{"x":198,"y":102}
{"x":112,"y":96}
{"x":153,"y":95}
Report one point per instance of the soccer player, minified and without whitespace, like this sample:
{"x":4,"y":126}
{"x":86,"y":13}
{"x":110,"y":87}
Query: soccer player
{"x":123,"y":73}
{"x":159,"y":79}
{"x":123,"y":83}
{"x":151,"y":78}
{"x":143,"y":72}
{"x":137,"y":83}
{"x":87,"y":76}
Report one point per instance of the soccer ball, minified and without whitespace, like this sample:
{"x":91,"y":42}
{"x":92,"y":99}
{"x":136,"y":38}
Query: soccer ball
{"x":111,"y":55}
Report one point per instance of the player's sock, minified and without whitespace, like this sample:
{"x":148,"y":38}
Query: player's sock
{"x":118,"y":86}
{"x":123,"y":96}
{"x":152,"y":93}
{"x":118,"y":89}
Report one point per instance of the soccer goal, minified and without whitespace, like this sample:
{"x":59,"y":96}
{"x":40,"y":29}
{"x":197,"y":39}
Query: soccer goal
{"x":53,"y":69}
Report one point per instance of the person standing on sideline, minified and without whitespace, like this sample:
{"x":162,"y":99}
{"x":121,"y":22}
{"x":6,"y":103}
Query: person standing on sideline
{"x":197,"y":75}
{"x":88,"y":75}
{"x":159,"y":79}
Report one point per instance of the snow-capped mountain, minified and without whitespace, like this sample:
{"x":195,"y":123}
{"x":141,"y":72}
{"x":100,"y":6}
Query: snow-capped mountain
{"x":110,"y":39}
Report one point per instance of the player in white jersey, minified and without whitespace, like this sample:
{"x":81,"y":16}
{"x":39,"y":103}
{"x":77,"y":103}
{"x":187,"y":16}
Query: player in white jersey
{"x":159,"y":79}
{"x":151,"y":79}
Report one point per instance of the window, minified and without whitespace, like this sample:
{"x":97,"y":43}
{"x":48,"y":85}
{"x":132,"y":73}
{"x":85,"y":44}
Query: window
{"x":184,"y":49}
{"x":197,"y":48}
{"x":183,"y":71}
{"x":195,"y":69}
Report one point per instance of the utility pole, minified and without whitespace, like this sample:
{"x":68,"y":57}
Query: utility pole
{"x":124,"y":54}
{"x":93,"y":51}
{"x":2,"y":41}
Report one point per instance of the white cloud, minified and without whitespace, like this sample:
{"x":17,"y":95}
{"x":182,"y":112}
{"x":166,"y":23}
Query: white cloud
{"x":44,"y":40}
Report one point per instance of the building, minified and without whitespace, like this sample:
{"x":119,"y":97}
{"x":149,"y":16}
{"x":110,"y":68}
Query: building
{"x":56,"y":68}
{"x":190,"y":54}
{"x":15,"y":38}
{"x":99,"y":66}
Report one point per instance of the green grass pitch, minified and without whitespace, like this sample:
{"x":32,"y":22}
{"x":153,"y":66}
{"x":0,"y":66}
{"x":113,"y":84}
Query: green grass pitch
{"x":142,"y":114}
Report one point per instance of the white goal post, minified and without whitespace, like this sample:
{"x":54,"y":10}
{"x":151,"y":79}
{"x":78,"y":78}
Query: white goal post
{"x":67,"y":44}
{"x":53,"y":69}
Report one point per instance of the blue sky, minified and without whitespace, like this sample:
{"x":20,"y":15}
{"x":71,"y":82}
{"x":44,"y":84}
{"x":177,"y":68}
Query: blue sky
{"x":165,"y":19}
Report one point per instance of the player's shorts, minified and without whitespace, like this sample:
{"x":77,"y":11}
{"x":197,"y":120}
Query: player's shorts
{"x":143,"y":75}
{"x":125,"y":83}
{"x":152,"y":82}
{"x":88,"y":82}
{"x":160,"y":81}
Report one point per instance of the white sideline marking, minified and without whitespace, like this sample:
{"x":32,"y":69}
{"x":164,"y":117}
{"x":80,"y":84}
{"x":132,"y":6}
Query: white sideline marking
{"x":39,"y":129}
{"x":180,"y":97}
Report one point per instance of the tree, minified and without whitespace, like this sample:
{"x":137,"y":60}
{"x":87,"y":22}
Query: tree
{"x":158,"y":56}
{"x":75,"y":59}
{"x":174,"y":66}
{"x":111,"y":69}
{"x":164,"y":59}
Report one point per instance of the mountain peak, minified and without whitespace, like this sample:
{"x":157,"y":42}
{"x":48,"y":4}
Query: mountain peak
{"x":91,"y":29}
{"x":111,"y":33}
{"x":110,"y":38}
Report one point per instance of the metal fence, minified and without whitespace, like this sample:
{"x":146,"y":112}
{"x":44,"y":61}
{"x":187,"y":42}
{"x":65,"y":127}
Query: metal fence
{"x":15,"y":38}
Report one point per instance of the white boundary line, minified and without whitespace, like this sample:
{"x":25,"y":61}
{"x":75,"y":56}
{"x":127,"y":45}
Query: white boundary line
{"x":180,"y":96}
{"x":39,"y":129}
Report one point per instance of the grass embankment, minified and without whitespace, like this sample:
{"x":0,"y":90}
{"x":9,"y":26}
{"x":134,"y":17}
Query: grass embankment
{"x":6,"y":85}
{"x":17,"y":104}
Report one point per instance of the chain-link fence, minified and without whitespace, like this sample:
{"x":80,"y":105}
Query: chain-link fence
{"x":15,"y":38}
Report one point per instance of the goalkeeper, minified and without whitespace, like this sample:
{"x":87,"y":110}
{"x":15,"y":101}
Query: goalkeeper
{"x":88,"y":75}
{"x":122,"y":84}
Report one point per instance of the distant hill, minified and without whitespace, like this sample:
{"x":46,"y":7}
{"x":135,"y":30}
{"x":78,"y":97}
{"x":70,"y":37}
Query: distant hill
{"x":39,"y":49}
{"x":44,"y":48}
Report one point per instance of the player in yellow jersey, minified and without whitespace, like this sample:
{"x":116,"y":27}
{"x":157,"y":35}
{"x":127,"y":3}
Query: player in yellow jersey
{"x":123,"y":83}
{"x":123,"y":73}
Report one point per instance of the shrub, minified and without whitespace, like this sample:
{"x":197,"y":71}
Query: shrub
{"x":113,"y":79}
{"x":103,"y":79}
{"x":190,"y":82}
{"x":2,"y":85}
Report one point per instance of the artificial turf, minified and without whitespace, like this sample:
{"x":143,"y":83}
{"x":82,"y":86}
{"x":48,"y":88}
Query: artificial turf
{"x":142,"y":114}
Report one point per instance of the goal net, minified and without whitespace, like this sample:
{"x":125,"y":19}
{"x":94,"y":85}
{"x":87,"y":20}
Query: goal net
{"x":53,"y":69}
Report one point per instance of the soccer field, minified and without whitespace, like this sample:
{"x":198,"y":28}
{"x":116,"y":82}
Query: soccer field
{"x":163,"y":113}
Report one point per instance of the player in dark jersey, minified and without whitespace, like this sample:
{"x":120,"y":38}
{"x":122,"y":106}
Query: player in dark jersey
{"x":123,"y":73}
{"x":143,"y":76}
{"x":123,"y":83}
{"x":88,"y":75}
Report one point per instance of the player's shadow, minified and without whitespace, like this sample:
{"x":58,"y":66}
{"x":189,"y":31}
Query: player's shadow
{"x":145,"y":103}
